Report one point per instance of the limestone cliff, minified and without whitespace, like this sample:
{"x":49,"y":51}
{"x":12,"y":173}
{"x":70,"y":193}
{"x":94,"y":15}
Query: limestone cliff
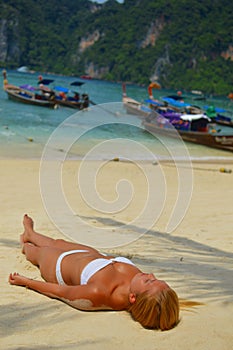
{"x":9,"y":37}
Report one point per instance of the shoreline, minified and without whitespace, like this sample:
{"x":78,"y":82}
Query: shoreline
{"x":191,"y":159}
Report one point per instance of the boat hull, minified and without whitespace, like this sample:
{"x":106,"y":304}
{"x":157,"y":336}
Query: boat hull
{"x":136,"y":108}
{"x":75,"y":105}
{"x":18,"y":96}
{"x":224,"y":142}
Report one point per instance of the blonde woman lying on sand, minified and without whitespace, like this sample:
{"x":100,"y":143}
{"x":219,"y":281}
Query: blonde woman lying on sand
{"x":88,"y":280}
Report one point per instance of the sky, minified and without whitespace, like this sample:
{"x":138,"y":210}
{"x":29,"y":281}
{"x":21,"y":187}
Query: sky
{"x":102,"y":1}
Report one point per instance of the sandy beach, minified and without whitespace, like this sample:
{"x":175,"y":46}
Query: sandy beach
{"x":196,"y":259}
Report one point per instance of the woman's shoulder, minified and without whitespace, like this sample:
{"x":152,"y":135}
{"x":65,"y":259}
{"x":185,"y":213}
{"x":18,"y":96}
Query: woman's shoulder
{"x":114,"y":296}
{"x":119,"y":300}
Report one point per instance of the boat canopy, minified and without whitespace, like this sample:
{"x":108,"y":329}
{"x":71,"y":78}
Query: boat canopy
{"x":28,"y":87}
{"x":215,"y":109}
{"x":61,"y":88}
{"x":45,"y":81}
{"x":175,"y":103}
{"x":191,"y":117}
{"x":154,"y":102}
{"x":77,"y":83}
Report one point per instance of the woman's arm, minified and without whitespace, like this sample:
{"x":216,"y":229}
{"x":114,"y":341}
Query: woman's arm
{"x":87,"y":297}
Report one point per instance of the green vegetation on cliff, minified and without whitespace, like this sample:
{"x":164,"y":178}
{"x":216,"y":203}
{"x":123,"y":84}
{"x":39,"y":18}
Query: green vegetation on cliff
{"x":185,"y":44}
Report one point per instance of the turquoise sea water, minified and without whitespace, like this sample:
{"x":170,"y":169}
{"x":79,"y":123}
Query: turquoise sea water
{"x":26,"y":129}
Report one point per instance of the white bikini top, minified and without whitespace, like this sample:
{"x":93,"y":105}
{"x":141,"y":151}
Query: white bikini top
{"x":91,"y":268}
{"x":98,"y":264}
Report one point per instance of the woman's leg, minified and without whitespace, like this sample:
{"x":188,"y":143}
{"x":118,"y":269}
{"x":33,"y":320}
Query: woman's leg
{"x":44,"y":258}
{"x":40,"y":240}
{"x":30,"y":236}
{"x":32,"y":253}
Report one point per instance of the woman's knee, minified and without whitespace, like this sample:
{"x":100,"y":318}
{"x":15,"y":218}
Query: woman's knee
{"x":31,"y":252}
{"x":59,"y":243}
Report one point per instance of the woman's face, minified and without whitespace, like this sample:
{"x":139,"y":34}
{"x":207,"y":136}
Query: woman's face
{"x":143,"y":282}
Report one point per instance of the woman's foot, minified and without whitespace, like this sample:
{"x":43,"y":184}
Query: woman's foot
{"x":28,"y":228}
{"x":28,"y":222}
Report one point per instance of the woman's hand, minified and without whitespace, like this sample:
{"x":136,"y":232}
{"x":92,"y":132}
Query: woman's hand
{"x":17,"y":280}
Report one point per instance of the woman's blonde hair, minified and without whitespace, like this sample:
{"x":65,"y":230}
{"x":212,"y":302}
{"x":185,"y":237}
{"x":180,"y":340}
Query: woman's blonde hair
{"x":156,"y":311}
